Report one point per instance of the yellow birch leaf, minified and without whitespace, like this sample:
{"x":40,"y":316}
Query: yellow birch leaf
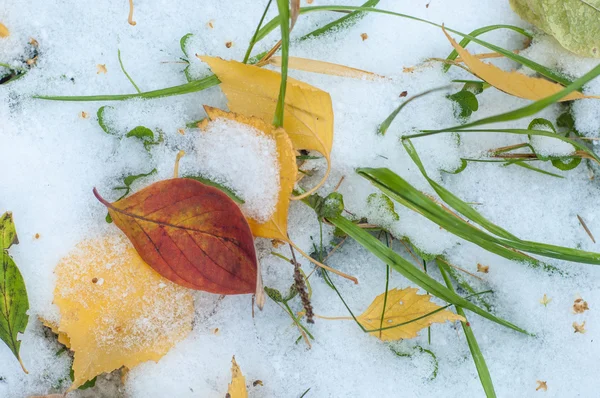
{"x":237,"y":387}
{"x":253,"y":91}
{"x":115,"y":309}
{"x":513,"y":83}
{"x":276,"y":226}
{"x":327,"y":68}
{"x":403,"y":306}
{"x":4,"y":32}
{"x":62,"y":337}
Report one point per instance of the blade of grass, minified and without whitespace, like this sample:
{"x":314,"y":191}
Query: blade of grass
{"x":404,"y":193}
{"x":464,"y":42}
{"x":212,"y":80}
{"x":192,"y":87}
{"x":254,"y":40}
{"x":533,"y":168}
{"x":383,"y":127}
{"x":399,"y":190}
{"x":541,"y":69}
{"x":454,"y":202}
{"x":525,"y":111}
{"x":127,"y":74}
{"x":482,"y":369}
{"x":284,"y":23}
{"x":410,"y":272}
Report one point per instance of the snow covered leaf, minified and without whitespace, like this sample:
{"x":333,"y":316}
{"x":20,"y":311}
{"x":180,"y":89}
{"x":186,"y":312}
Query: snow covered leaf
{"x":4,"y":32}
{"x":13,"y":295}
{"x":237,"y":387}
{"x":327,"y":68}
{"x":574,"y":23}
{"x":403,"y":306}
{"x":276,"y":226}
{"x":115,"y":310}
{"x":308,"y":113}
{"x":190,"y":233}
{"x":513,"y":83}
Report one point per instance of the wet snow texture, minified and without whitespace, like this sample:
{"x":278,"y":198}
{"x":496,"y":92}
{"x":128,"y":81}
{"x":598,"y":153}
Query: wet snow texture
{"x":51,"y":158}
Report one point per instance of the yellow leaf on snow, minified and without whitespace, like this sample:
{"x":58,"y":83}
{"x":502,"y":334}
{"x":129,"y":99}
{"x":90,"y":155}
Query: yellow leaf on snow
{"x":62,"y":337}
{"x":4,"y":32}
{"x":237,"y":387}
{"x":513,"y":83}
{"x":327,"y":68}
{"x":276,"y":226}
{"x":115,"y":309}
{"x":403,"y":306}
{"x":253,"y":91}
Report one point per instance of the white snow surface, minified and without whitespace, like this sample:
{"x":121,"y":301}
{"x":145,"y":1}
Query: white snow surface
{"x":51,"y":158}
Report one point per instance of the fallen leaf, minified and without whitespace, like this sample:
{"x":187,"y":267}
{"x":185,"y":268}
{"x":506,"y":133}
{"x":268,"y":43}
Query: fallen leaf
{"x":403,"y":94}
{"x":210,"y":24}
{"x":237,"y":387}
{"x":403,"y":306}
{"x":580,"y":306}
{"x":574,"y":23}
{"x":101,"y":69}
{"x":327,"y":68}
{"x":294,"y":12}
{"x":579,"y":328}
{"x":258,"y":383}
{"x":84,"y":115}
{"x":229,"y":44}
{"x":190,"y":233}
{"x":545,"y":300}
{"x":33,"y":42}
{"x":13,"y":294}
{"x":61,"y":337}
{"x":513,"y":83}
{"x":541,"y":386}
{"x":276,"y":226}
{"x":364,"y":36}
{"x":4,"y":32}
{"x":483,"y":268}
{"x":308,"y":113}
{"x":135,"y":316}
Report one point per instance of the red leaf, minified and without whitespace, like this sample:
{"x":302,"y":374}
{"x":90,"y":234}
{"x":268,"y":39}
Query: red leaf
{"x":190,"y":233}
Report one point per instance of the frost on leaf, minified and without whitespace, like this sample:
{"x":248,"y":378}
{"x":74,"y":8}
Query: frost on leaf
{"x":134,"y":316}
{"x":541,"y":386}
{"x":403,"y":306}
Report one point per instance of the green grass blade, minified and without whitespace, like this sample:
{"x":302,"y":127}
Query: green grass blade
{"x":579,"y":146}
{"x":127,"y":74}
{"x":482,"y":369}
{"x":464,"y":42}
{"x":192,"y":87}
{"x":404,"y":193}
{"x":398,"y":189}
{"x":525,"y":111}
{"x":254,"y":39}
{"x":454,"y":202}
{"x":284,"y":23}
{"x":533,"y":168}
{"x":409,"y":271}
{"x":345,"y":21}
{"x":541,"y":69}
{"x":383,"y":127}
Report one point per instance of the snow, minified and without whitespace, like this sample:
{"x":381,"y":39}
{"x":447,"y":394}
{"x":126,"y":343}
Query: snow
{"x":51,"y":158}
{"x":243,"y":159}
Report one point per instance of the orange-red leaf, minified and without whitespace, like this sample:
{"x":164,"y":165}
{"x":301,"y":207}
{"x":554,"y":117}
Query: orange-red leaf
{"x":190,"y":233}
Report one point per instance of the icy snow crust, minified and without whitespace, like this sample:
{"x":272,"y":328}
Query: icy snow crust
{"x":51,"y":158}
